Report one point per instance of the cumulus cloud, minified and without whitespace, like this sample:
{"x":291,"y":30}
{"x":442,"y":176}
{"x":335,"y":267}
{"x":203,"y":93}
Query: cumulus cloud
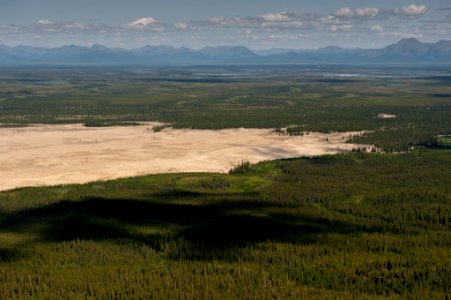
{"x":79,"y":26}
{"x":328,"y":20}
{"x":367,"y":12}
{"x":9,"y":28}
{"x":344,"y":19}
{"x":228,"y":22}
{"x":276,"y":17}
{"x":141,"y":23}
{"x":337,"y":28}
{"x":377,"y":28}
{"x":286,"y":36}
{"x":49,"y":26}
{"x":270,"y":21}
{"x":404,"y":35}
{"x":411,"y":10}
{"x":344,"y":12}
{"x":348,"y":12}
{"x":351,"y":22}
{"x":346,"y":27}
{"x":44,"y":22}
{"x":181,"y":25}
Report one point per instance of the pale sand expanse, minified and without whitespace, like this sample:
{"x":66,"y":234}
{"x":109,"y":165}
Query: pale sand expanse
{"x":386,"y":116}
{"x":62,"y":154}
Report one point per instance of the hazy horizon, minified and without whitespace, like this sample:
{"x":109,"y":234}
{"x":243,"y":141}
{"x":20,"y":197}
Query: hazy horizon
{"x":215,"y":46}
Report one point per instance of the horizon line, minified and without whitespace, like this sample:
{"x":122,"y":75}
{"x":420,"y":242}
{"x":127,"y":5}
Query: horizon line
{"x":217,"y":46}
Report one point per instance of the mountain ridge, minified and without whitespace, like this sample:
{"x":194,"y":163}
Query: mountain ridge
{"x":404,"y":51}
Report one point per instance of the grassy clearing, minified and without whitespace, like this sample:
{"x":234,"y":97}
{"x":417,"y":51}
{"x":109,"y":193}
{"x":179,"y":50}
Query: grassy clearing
{"x":444,"y":141}
{"x":345,"y":226}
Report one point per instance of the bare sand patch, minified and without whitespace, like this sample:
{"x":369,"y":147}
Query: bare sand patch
{"x":63,"y":154}
{"x":386,"y":116}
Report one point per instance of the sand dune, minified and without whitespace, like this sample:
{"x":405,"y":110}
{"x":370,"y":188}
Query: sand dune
{"x":62,"y":154}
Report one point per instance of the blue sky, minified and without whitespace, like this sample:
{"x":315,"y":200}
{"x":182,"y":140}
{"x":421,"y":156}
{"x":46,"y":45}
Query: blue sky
{"x":258,"y":24}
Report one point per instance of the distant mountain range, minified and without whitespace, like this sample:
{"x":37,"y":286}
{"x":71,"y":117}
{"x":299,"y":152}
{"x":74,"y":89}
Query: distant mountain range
{"x":409,"y":51}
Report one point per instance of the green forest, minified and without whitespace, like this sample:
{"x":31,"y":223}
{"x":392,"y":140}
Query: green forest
{"x":347,"y":226}
{"x":372,"y":224}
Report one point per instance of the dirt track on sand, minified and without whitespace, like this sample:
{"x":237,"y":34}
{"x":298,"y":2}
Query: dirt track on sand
{"x":63,"y":154}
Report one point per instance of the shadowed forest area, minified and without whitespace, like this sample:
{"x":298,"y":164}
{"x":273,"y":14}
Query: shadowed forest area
{"x":350,"y":225}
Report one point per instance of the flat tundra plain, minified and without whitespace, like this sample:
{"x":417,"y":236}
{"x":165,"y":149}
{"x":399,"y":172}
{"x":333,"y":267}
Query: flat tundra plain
{"x":64,"y":154}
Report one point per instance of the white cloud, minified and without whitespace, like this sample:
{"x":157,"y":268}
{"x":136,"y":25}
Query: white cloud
{"x":353,"y":22}
{"x":181,"y":25}
{"x":346,"y":27}
{"x":412,"y":10}
{"x":286,"y":36}
{"x":367,"y":12}
{"x":344,"y":12}
{"x":217,"y":19}
{"x":9,"y":29}
{"x":397,"y":34}
{"x":76,"y":26}
{"x":50,"y":30}
{"x":276,"y":17}
{"x":141,"y":23}
{"x":348,"y":12}
{"x":297,"y":24}
{"x":44,"y":25}
{"x":377,"y":28}
{"x":282,"y":21}
{"x":44,"y":22}
{"x":337,"y":28}
{"x":332,"y":20}
{"x":222,"y":21}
